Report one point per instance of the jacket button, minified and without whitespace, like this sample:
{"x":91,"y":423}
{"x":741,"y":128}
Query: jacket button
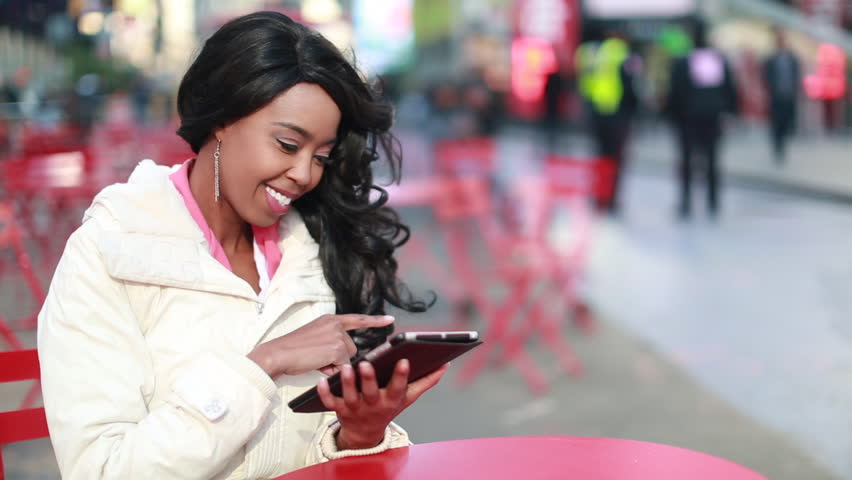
{"x":214,"y":409}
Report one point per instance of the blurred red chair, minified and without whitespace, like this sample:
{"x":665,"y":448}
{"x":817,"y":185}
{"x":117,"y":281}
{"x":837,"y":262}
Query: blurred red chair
{"x":459,"y":157}
{"x":11,"y":237}
{"x":37,"y":140}
{"x":466,"y":217}
{"x":523,"y":256}
{"x":418,"y":254}
{"x":487,"y":249}
{"x":25,"y":423}
{"x":484,"y":248}
{"x":63,"y":183}
{"x":453,"y":158}
{"x":578,"y":185}
{"x":575,"y":185}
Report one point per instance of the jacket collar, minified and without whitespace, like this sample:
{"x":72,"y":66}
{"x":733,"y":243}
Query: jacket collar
{"x":150,"y":237}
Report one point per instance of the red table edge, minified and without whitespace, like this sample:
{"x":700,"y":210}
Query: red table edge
{"x":686,"y":451}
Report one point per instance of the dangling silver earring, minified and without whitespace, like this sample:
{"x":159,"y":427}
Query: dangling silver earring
{"x":216,"y":169}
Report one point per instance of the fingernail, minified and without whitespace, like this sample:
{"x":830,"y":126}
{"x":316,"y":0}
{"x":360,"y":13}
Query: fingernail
{"x":389,"y":318}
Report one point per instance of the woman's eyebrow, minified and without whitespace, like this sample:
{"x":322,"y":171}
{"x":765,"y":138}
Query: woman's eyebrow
{"x":301,"y":131}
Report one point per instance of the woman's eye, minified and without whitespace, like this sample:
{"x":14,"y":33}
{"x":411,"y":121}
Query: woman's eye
{"x":323,"y":160}
{"x":288,"y":147}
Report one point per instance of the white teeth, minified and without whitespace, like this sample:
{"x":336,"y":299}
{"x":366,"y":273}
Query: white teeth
{"x":284,"y":201}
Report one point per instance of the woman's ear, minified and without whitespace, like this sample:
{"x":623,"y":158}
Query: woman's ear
{"x":219,"y":133}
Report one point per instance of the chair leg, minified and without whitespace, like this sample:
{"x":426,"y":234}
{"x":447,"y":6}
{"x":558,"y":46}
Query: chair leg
{"x":26,"y":267}
{"x":516,"y":340}
{"x":581,"y":314}
{"x":499,"y":320}
{"x":417,"y":256}
{"x":536,"y":381}
{"x":30,"y":322}
{"x":583,"y":317}
{"x":32,"y":396}
{"x":553,"y":338}
{"x":549,"y":329}
{"x":9,"y":335}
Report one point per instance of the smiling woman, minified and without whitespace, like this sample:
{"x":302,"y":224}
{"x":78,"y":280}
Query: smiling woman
{"x":273,"y":156}
{"x":202,"y":298}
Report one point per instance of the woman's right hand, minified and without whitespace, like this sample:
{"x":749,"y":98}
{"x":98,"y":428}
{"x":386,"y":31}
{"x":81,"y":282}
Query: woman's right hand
{"x":322,"y":344}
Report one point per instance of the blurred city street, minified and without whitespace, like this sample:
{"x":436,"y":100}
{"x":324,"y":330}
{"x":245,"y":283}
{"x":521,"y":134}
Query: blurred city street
{"x":728,"y":337}
{"x":739,"y":325}
{"x":722,"y":326}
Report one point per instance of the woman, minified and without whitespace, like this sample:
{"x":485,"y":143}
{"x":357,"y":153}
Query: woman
{"x":195,"y":302}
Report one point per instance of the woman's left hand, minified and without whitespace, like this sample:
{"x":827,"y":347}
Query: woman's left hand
{"x":364,"y":416}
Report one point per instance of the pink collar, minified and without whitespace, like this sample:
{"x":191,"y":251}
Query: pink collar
{"x":266,"y":238}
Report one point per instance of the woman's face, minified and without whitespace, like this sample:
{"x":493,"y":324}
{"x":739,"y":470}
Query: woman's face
{"x":278,"y":153}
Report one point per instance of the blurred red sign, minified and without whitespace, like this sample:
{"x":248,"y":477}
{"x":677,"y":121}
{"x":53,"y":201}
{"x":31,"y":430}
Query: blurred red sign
{"x":545,"y":36}
{"x":828,"y":82}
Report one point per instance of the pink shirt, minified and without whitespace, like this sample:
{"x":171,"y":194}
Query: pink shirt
{"x":266,"y":238}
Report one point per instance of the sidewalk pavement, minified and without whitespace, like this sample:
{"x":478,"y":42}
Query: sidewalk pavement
{"x":710,"y":362}
{"x":817,"y":165}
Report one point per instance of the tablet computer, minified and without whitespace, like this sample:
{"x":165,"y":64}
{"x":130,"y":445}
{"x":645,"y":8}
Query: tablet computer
{"x":425,"y":351}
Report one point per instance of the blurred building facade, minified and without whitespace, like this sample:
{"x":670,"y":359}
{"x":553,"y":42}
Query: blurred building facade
{"x":516,"y":49}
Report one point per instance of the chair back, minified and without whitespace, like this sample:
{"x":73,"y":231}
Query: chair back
{"x":463,"y":198}
{"x":567,"y":177}
{"x":11,"y":237}
{"x":25,"y":424}
{"x":465,"y":157}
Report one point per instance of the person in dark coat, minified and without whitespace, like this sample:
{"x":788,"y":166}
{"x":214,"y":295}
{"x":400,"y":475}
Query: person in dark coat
{"x":782,"y":76}
{"x":702,"y":90}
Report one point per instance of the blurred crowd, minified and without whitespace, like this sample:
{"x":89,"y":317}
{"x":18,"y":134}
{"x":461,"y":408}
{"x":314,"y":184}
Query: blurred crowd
{"x":611,"y":87}
{"x":616,"y":86}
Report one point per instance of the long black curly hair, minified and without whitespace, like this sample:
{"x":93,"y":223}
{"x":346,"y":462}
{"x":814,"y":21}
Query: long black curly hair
{"x":246,"y":64}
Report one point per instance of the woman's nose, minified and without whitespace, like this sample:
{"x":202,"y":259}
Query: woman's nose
{"x":300,"y":171}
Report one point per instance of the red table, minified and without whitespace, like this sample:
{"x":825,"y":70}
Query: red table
{"x":531,"y":458}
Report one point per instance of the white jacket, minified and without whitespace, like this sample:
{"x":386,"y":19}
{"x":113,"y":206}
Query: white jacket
{"x":143,"y":341}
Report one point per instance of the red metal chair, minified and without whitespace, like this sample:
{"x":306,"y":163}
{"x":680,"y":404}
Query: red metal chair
{"x":453,"y":158}
{"x":458,"y":157}
{"x":11,"y":237}
{"x":516,"y":258}
{"x":463,"y":201}
{"x":466,"y":216}
{"x":37,"y":140}
{"x":26,"y":423}
{"x":575,"y":185}
{"x":54,"y":188}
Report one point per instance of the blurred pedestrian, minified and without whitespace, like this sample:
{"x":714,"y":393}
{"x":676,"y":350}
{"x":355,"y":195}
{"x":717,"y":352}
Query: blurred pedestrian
{"x":782,"y":76}
{"x":21,"y":95}
{"x":552,"y":118}
{"x":478,"y":101}
{"x":701,"y":91}
{"x":445,"y":111}
{"x":88,"y":95}
{"x":607,"y":72}
{"x":20,"y":101}
{"x":140,"y":98}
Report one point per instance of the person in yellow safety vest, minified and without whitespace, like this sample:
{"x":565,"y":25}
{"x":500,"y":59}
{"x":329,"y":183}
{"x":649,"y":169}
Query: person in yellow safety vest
{"x":600,"y":73}
{"x":606,"y":72}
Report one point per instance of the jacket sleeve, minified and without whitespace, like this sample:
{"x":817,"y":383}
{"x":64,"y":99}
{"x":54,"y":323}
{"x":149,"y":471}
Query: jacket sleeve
{"x":324,"y":445}
{"x":97,"y":373}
